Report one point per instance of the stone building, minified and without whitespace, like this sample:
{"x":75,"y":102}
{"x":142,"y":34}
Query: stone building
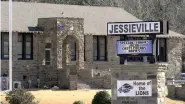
{"x":66,"y":44}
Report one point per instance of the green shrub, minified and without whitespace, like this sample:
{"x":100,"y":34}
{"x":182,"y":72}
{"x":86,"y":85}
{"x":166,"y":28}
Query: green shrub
{"x":20,"y":96}
{"x":78,"y":102}
{"x":102,"y":97}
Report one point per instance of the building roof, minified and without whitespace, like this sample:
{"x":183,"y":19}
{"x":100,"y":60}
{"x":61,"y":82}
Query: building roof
{"x":171,"y":34}
{"x":26,"y":14}
{"x":95,"y":18}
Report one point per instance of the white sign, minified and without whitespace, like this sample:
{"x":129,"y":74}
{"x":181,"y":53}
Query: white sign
{"x":117,"y":28}
{"x":175,"y":82}
{"x":128,"y":88}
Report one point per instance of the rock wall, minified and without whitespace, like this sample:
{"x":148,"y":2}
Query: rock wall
{"x":180,"y":92}
{"x":175,"y":62}
{"x":22,"y":68}
{"x":174,"y":49}
{"x":55,"y":71}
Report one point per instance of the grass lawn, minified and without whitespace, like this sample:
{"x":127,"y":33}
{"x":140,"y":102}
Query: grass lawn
{"x":68,"y":97}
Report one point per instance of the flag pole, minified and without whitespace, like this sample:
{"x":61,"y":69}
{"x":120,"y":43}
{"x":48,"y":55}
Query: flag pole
{"x":10,"y":45}
{"x":0,"y":58}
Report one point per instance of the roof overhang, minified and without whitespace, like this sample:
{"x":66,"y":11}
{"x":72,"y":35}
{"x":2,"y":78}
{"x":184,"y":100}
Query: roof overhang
{"x":170,"y":36}
{"x":30,"y":30}
{"x":23,"y":31}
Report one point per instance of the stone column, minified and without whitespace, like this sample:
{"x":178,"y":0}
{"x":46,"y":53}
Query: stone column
{"x":60,"y":50}
{"x":67,"y":53}
{"x":81,"y":54}
{"x":112,"y":55}
{"x":161,"y":87}
{"x":89,"y":49}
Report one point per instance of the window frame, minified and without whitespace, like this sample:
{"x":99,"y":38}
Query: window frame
{"x":48,"y":49}
{"x":84,"y":48}
{"x":75,"y":49}
{"x":24,"y":35}
{"x":2,"y":45}
{"x":74,"y":54}
{"x":98,"y":48}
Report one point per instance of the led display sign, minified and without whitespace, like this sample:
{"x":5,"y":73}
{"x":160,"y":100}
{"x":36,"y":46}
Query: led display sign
{"x":135,"y":47}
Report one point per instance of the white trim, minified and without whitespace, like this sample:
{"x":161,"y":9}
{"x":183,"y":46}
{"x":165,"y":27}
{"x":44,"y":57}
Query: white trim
{"x":48,"y":49}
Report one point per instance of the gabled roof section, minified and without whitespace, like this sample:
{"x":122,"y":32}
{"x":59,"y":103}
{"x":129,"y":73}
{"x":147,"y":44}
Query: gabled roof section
{"x":26,"y":14}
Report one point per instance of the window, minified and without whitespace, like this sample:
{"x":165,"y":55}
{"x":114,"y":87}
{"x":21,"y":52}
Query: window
{"x":25,"y":46}
{"x":4,"y":45}
{"x":161,"y":50}
{"x":48,"y":53}
{"x":99,"y":48}
{"x":73,"y":49}
{"x":84,"y":49}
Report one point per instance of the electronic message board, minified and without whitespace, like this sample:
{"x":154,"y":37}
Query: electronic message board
{"x":134,"y":47}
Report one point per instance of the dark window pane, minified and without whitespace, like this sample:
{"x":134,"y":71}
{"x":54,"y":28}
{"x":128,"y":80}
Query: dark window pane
{"x":102,"y":47}
{"x":19,"y":49}
{"x":24,"y":46}
{"x":20,"y":37}
{"x":28,"y":38}
{"x":95,"y":50}
{"x":162,"y":50}
{"x":28,"y":46}
{"x":4,"y":45}
{"x":19,"y":46}
{"x":73,"y":49}
{"x":99,"y":48}
{"x":84,"y":49}
{"x":73,"y":57}
{"x":48,"y":45}
{"x":102,"y":58}
{"x":6,"y":50}
{"x":47,"y":55}
{"x":28,"y":56}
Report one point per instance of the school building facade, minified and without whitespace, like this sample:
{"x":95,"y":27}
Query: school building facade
{"x":66,"y":44}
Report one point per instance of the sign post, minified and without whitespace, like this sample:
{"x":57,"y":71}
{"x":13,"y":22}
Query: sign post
{"x":133,"y":84}
{"x":134,"y":47}
{"x":136,"y":28}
